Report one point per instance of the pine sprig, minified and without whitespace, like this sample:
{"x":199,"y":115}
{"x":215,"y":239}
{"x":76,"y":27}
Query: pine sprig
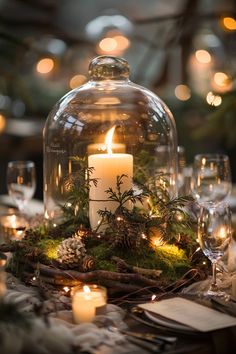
{"x":75,"y":209}
{"x":123,"y":197}
{"x":161,"y":212}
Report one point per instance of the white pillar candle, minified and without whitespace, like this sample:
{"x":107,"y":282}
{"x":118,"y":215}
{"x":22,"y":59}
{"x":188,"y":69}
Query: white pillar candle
{"x":86,"y":301}
{"x":106,"y":169}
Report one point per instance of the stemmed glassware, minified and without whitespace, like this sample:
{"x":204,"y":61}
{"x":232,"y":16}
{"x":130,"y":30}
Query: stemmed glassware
{"x":21,"y":182}
{"x":211,"y":180}
{"x":214,"y":235}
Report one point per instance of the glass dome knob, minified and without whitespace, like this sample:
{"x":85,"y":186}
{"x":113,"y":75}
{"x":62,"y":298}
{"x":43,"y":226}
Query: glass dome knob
{"x":109,"y":68}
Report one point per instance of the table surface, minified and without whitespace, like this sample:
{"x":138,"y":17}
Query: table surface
{"x":217,"y":342}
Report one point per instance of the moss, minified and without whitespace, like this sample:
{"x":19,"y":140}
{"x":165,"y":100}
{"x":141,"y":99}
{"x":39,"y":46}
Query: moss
{"x":169,"y":258}
{"x":49,"y":247}
{"x":41,"y":246}
{"x":102,"y":253}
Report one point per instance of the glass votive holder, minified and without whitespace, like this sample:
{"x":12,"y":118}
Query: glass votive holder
{"x":87,"y":302}
{"x":3,"y":288}
{"x":12,"y":227}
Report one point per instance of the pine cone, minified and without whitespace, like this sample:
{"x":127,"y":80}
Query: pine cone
{"x":127,"y":237}
{"x":71,"y":252}
{"x":88,"y":263}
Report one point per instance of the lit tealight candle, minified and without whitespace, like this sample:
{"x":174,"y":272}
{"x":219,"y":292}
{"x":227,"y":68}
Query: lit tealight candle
{"x":13,"y":227}
{"x":106,"y":169}
{"x":87,"y":302}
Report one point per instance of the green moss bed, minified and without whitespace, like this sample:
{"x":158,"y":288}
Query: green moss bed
{"x":169,"y":258}
{"x":39,"y":246}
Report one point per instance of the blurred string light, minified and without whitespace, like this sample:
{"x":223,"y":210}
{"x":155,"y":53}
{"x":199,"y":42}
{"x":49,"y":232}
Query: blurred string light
{"x":229,"y":23}
{"x":203,"y":56}
{"x":2,"y":123}
{"x":114,"y":43}
{"x":221,"y":82}
{"x":213,"y":100}
{"x":110,"y":32}
{"x":107,"y":44}
{"x":45,"y":65}
{"x":221,"y":78}
{"x":77,"y":81}
{"x":182,"y":92}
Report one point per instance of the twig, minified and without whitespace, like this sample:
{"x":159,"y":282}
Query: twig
{"x":96,"y":275}
{"x":122,"y":265}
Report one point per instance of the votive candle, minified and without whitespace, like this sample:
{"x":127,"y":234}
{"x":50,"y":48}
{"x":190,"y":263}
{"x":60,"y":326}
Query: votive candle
{"x":87,"y":302}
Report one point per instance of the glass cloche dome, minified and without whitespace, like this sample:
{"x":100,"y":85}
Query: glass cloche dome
{"x":106,"y":128}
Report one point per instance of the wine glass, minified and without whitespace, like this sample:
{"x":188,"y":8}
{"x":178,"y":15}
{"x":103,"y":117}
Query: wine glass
{"x":21,"y":182}
{"x":181,"y":167}
{"x":211,"y":179}
{"x":214,"y":235}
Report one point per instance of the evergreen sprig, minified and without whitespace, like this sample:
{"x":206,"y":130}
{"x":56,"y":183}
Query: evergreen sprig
{"x":129,"y":223}
{"x":75,"y":209}
{"x":123,"y":197}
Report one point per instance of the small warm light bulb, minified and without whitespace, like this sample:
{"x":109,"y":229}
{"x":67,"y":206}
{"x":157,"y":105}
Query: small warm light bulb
{"x":66,"y":289}
{"x":229,"y":23}
{"x":144,"y":236}
{"x":221,"y":79}
{"x":122,"y":43}
{"x":77,"y":81}
{"x":153,"y":297}
{"x":182,"y":92}
{"x":213,"y":100}
{"x":203,"y":56}
{"x":45,"y":65}
{"x":107,"y":44}
{"x":2,"y":123}
{"x":108,"y":140}
{"x":179,"y":217}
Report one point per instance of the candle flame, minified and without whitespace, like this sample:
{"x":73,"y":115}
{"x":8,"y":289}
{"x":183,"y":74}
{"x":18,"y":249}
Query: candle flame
{"x":13,"y":221}
{"x":86,"y":289}
{"x":108,"y":140}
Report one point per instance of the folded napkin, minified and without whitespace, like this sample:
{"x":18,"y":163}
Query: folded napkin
{"x":228,"y":307}
{"x":190,"y":313}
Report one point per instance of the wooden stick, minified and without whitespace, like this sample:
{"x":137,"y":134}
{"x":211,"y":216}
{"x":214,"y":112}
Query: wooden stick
{"x":121,"y":264}
{"x":113,"y":286}
{"x":96,"y":275}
